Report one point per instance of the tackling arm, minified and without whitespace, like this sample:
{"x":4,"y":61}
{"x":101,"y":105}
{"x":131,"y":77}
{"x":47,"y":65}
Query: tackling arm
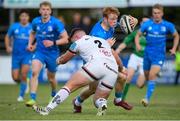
{"x":65,"y":57}
{"x":118,"y":60}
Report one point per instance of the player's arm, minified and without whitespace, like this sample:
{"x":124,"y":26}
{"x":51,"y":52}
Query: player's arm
{"x":31,"y":45}
{"x":175,"y":43}
{"x":63,"y":39}
{"x":137,"y":37}
{"x":65,"y":57}
{"x":127,"y":40}
{"x":118,"y":60}
{"x":7,"y":44}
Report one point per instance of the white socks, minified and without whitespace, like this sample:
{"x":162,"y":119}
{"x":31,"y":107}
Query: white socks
{"x":117,"y":100}
{"x":100,"y":102}
{"x":58,"y":98}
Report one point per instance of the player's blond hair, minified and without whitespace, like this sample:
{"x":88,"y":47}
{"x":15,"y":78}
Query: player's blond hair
{"x":158,"y":6}
{"x":45,"y":3}
{"x":109,"y":10}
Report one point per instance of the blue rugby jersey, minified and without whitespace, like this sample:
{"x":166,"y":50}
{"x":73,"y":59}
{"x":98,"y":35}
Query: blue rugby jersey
{"x":50,"y":30}
{"x":20,"y":35}
{"x":156,"y":35}
{"x":98,"y":31}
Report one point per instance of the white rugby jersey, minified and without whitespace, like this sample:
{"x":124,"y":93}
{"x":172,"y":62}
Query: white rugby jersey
{"x":90,"y":47}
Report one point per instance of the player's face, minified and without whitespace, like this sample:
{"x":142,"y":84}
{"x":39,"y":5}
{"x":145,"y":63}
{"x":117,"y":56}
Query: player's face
{"x":112,"y":20}
{"x":24,"y":18}
{"x":157,"y":15}
{"x":45,"y":11}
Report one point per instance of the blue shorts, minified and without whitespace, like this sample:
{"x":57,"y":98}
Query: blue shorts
{"x":49,"y":59}
{"x":151,"y":59}
{"x":19,"y":60}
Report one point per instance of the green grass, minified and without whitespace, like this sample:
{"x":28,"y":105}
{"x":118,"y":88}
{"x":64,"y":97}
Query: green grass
{"x":165,"y":105}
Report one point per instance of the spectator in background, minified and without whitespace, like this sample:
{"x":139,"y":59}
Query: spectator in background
{"x":19,"y":32}
{"x":177,"y":64}
{"x":86,"y":24}
{"x":77,"y":23}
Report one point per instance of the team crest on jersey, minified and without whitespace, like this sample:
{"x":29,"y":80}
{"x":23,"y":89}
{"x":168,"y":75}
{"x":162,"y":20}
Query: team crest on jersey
{"x":150,"y":28}
{"x":43,"y":32}
{"x":50,"y":28}
{"x":38,"y":28}
{"x":163,"y":28}
{"x":16,"y":31}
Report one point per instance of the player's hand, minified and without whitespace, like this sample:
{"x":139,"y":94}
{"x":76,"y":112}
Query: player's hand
{"x":172,"y":51}
{"x":48,"y":43}
{"x":8,"y":50}
{"x":123,"y":73}
{"x":133,"y":21}
{"x":30,"y":48}
{"x":138,"y":47}
{"x":111,"y":41}
{"x":58,"y":60}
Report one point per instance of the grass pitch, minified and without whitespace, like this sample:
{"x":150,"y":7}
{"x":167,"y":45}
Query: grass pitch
{"x":165,"y":105}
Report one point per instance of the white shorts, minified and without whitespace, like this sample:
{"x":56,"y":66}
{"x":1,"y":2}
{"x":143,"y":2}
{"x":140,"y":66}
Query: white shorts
{"x":104,"y":71}
{"x":136,"y":63}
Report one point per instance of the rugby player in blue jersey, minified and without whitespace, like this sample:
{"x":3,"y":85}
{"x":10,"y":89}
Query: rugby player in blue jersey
{"x":48,"y":32}
{"x":104,"y":28}
{"x":156,"y":31}
{"x":19,"y":33}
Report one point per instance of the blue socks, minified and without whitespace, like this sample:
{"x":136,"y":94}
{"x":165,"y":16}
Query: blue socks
{"x":23,"y":86}
{"x":79,"y":99}
{"x":33,"y":96}
{"x":53,"y":93}
{"x":150,"y":89}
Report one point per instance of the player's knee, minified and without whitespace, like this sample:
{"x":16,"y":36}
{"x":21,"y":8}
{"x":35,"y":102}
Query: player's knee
{"x":152,"y":76}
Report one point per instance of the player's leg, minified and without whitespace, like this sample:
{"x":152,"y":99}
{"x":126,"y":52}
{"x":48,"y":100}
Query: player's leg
{"x":140,"y":81}
{"x":103,"y":90}
{"x":84,"y":94}
{"x":15,"y":69}
{"x":23,"y":84}
{"x":141,"y":78}
{"x":53,"y":82}
{"x":131,"y":72}
{"x":36,"y":68}
{"x":151,"y":81}
{"x":52,"y":66}
{"x":77,"y":80}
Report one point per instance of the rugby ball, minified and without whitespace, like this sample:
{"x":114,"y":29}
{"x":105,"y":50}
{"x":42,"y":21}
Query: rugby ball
{"x":127,"y":23}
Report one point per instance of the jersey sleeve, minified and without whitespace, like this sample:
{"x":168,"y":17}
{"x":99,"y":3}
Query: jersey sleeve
{"x":130,"y":38}
{"x":171,"y":28}
{"x":59,"y":27}
{"x":73,"y":47}
{"x":33,"y":24}
{"x":143,"y":27}
{"x":11,"y":31}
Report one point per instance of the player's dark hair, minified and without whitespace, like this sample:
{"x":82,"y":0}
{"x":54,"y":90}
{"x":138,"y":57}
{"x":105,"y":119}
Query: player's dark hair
{"x":73,"y":31}
{"x":24,"y":11}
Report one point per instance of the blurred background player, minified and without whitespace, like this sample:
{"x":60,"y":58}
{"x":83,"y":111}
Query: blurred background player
{"x":101,"y":68}
{"x":177,"y":66}
{"x":49,"y":32}
{"x":21,"y":58}
{"x":135,"y":61}
{"x":104,"y":28}
{"x":156,"y":30}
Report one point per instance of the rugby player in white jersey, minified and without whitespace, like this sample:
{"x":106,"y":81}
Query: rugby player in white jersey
{"x":101,"y":68}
